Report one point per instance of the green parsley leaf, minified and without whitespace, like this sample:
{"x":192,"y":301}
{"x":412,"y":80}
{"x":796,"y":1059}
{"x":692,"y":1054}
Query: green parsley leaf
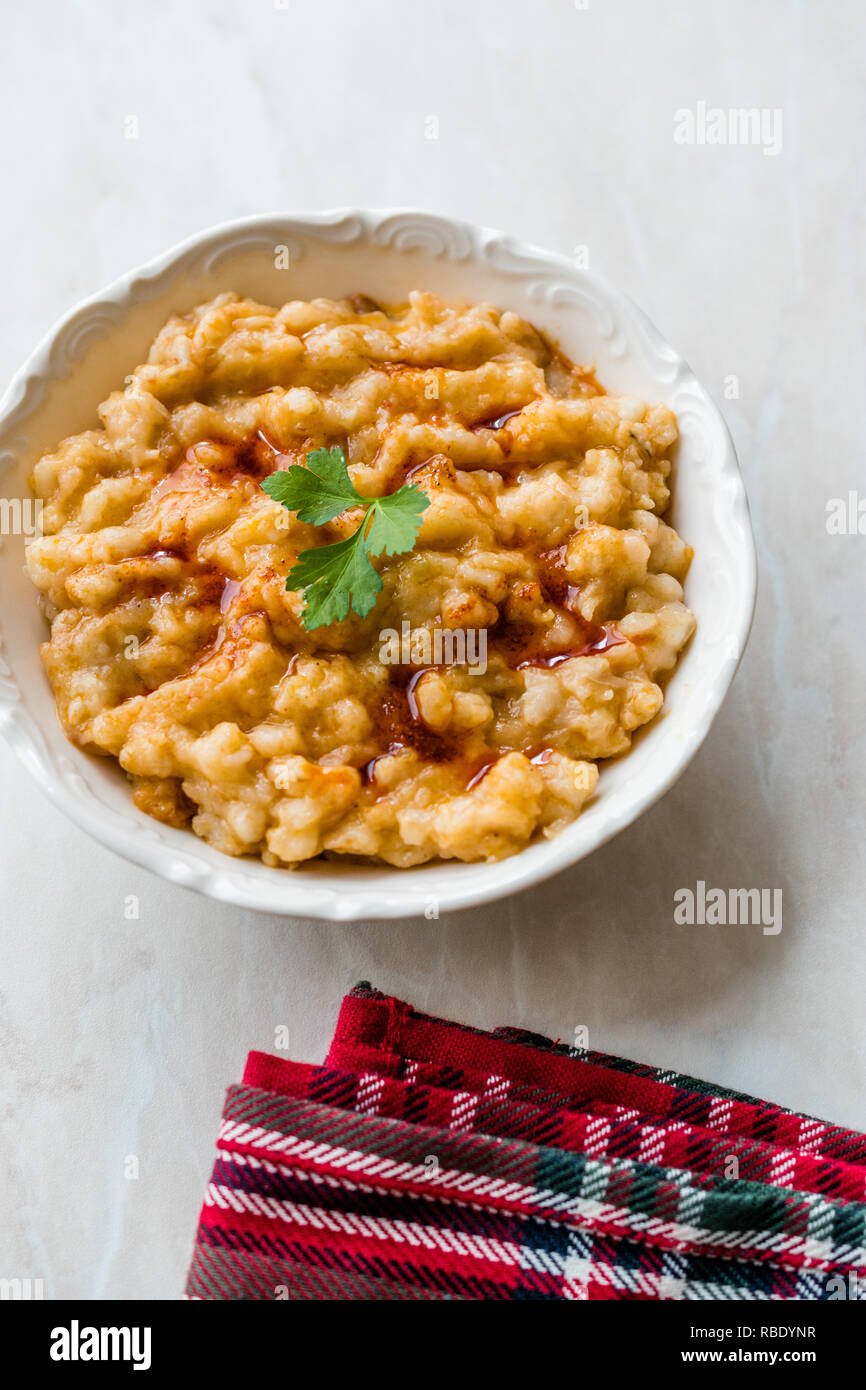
{"x":318,"y":492}
{"x":331,"y":577}
{"x":396,"y":521}
{"x":336,"y":577}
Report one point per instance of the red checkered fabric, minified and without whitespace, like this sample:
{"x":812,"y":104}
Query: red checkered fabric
{"x":430,"y":1160}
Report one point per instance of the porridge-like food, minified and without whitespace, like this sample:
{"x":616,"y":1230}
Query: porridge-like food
{"x":177,"y":649}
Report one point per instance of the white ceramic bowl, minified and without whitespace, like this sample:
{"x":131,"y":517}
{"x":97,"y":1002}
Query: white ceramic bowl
{"x":384,"y":254}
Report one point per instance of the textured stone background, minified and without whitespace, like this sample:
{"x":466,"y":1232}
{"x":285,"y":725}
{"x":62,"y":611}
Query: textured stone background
{"x":555,"y":123}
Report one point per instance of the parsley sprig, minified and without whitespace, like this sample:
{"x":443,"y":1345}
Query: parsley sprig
{"x":336,"y":577}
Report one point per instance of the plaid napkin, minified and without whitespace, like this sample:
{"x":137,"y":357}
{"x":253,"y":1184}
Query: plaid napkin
{"x":427,"y":1160}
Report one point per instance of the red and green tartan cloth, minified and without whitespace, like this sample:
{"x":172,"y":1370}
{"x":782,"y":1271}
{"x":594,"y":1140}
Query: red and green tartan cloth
{"x":429,"y":1160}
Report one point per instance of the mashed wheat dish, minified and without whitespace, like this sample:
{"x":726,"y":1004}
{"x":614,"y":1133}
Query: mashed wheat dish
{"x":491,"y":597}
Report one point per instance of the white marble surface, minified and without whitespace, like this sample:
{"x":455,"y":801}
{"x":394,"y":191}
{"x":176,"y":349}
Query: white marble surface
{"x":555,"y":122}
